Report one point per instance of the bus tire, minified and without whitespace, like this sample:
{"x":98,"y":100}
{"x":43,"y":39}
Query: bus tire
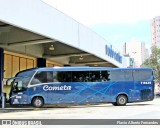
{"x":37,"y":102}
{"x":121,"y":100}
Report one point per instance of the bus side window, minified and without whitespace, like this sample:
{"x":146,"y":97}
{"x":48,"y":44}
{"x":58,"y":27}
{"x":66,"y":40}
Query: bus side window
{"x":42,"y":77}
{"x":94,"y":76}
{"x":68,"y":76}
{"x":35,"y":80}
{"x":80,"y":76}
{"x":55,"y":77}
{"x":115,"y":75}
{"x":142,"y":75}
{"x":105,"y":76}
{"x":121,"y":75}
{"x":63,"y":76}
{"x":49,"y":76}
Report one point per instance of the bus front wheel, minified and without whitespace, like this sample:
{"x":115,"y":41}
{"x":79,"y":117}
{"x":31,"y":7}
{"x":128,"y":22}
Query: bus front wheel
{"x":37,"y":102}
{"x":121,"y":100}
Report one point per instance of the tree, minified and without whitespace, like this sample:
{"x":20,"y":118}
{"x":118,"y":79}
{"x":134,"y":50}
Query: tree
{"x":146,"y":63}
{"x":154,"y":62}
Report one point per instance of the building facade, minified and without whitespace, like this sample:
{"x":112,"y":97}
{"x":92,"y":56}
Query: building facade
{"x":155,"y":31}
{"x":137,"y":51}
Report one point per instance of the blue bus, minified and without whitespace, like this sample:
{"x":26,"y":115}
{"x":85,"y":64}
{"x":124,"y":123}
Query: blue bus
{"x":80,"y":85}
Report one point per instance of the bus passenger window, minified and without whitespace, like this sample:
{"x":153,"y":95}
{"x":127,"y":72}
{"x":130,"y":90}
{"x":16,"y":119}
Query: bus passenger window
{"x":49,"y":77}
{"x":42,"y":77}
{"x":80,"y":76}
{"x":55,"y":77}
{"x":121,"y":75}
{"x":64,"y":76}
{"x":105,"y":76}
{"x":94,"y":76}
{"x":142,"y":75}
{"x":36,"y":79}
{"x":99,"y":76}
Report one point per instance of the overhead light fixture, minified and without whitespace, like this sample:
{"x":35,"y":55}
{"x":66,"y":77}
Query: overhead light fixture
{"x":51,"y":47}
{"x":96,"y":64}
{"x":81,"y":58}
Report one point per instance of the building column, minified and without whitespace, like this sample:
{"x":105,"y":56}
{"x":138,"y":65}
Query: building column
{"x":66,"y":65}
{"x":41,"y":62}
{"x":1,"y":68}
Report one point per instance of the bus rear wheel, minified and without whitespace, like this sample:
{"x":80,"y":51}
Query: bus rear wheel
{"x":121,"y":100}
{"x":37,"y":102}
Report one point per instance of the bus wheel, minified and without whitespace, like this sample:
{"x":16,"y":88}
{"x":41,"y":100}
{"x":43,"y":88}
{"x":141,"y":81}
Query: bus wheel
{"x":37,"y":102}
{"x":121,"y":100}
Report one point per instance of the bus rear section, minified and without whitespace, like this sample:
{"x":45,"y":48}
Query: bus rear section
{"x":82,"y":86}
{"x":144,"y":84}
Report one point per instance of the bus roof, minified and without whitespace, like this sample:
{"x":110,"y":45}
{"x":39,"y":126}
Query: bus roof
{"x":84,"y":68}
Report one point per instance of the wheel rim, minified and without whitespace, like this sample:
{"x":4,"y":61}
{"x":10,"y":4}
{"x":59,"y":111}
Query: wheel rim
{"x":38,"y":102}
{"x":122,"y":100}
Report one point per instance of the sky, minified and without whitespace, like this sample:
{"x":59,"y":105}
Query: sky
{"x":117,"y":21}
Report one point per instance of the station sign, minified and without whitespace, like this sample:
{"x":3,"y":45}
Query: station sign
{"x":113,"y":54}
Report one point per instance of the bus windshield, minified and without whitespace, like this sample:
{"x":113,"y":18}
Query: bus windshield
{"x":21,"y":80}
{"x":17,"y":85}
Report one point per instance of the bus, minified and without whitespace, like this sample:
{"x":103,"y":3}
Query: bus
{"x":81,"y":85}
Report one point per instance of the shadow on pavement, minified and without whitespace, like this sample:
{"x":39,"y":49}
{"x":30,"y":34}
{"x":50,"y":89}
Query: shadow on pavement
{"x":138,"y":104}
{"x":21,"y":108}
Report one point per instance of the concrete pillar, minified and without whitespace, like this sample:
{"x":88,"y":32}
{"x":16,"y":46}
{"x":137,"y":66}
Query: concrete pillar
{"x":41,"y":62}
{"x":66,"y":65}
{"x":1,"y":68}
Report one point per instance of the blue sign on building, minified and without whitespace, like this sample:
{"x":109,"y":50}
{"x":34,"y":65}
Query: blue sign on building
{"x":113,"y":54}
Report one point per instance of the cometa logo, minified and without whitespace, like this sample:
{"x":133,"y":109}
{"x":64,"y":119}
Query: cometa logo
{"x":54,"y":88}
